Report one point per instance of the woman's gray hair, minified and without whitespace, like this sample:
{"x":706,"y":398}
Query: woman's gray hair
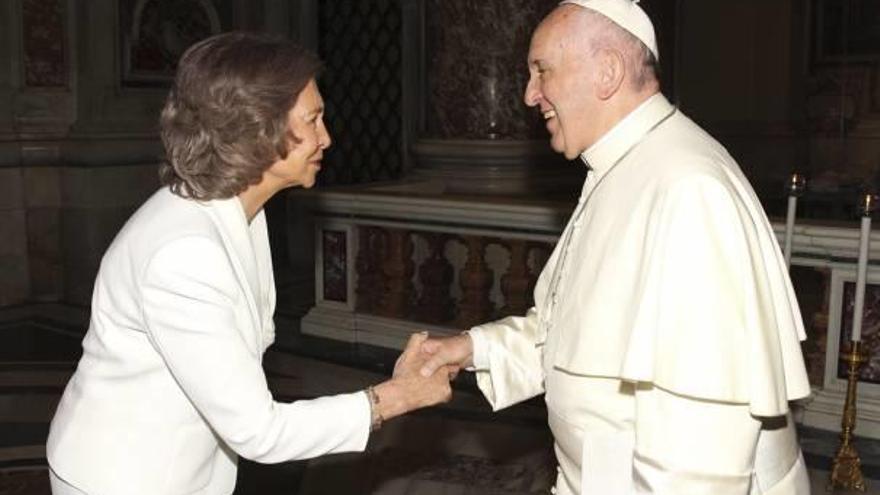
{"x":225,"y":119}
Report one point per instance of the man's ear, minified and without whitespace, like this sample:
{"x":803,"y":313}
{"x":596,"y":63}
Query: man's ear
{"x":612,"y":71}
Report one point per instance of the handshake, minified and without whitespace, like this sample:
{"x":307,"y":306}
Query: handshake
{"x":422,"y":374}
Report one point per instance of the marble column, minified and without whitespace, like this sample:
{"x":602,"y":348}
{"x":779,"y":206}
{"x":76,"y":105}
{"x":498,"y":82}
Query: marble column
{"x":396,"y":300}
{"x":475,"y":278}
{"x":370,"y":277}
{"x":519,"y":282}
{"x":479,"y":136}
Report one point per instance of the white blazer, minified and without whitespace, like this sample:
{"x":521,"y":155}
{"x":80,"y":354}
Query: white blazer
{"x":170,"y":385}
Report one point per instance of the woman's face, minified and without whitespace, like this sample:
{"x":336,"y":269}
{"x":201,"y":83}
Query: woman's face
{"x":305,"y":121}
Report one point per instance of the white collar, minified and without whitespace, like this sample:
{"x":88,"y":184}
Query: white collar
{"x":611,"y":147}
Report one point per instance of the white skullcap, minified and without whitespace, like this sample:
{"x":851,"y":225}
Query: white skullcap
{"x":626,"y":14}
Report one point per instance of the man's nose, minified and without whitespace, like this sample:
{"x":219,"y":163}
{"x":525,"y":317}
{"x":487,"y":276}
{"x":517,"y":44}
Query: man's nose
{"x":532,"y":95}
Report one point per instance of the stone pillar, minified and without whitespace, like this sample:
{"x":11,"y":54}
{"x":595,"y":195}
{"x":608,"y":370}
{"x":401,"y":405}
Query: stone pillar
{"x":397,"y":269}
{"x":370,"y":280}
{"x":517,"y":284}
{"x":436,"y":273}
{"x":479,"y":136}
{"x":475,"y":279}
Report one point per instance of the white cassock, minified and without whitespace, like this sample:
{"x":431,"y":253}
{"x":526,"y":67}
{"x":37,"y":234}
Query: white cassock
{"x":170,"y":388}
{"x":665,"y":333}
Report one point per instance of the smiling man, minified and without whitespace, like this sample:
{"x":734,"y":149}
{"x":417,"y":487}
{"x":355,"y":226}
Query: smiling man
{"x":665,"y":332}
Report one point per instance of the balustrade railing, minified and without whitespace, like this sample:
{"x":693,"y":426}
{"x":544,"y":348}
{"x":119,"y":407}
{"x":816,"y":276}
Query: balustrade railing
{"x":413,"y":275}
{"x":389,"y":265}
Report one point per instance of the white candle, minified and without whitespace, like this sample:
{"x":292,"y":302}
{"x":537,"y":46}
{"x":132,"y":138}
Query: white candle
{"x":858,"y":307}
{"x":789,"y":228}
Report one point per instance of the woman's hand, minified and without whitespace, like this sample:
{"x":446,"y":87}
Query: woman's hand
{"x":408,"y":389}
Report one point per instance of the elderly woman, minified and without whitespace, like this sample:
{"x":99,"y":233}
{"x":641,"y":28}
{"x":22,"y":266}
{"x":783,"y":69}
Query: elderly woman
{"x":170,"y":388}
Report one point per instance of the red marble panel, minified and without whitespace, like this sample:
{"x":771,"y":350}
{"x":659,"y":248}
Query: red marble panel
{"x":870,"y":371}
{"x":812,"y":286}
{"x":335,"y":266}
{"x":44,"y":41}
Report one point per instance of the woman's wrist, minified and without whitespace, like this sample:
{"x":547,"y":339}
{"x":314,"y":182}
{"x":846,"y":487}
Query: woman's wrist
{"x":376,"y":418}
{"x":390,"y":400}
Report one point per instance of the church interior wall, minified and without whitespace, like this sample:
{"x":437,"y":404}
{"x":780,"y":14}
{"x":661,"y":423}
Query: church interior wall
{"x":78,"y":144}
{"x":756,"y":75}
{"x":78,"y":140}
{"x":79,"y":147}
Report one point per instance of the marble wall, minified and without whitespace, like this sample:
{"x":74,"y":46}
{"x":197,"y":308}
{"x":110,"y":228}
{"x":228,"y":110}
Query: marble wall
{"x":78,"y":142}
{"x":477,"y":93}
{"x":753,"y":73}
{"x":746,"y":70}
{"x":15,"y":282}
{"x":42,"y":191}
{"x":45,"y":41}
{"x":57,"y":224}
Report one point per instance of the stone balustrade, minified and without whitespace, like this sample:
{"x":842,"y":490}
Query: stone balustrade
{"x":440,"y":291}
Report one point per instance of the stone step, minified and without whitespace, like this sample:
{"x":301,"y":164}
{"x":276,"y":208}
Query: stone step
{"x":28,"y":407}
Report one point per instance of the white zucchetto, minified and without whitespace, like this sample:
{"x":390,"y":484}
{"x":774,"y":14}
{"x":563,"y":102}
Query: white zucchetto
{"x":626,"y":14}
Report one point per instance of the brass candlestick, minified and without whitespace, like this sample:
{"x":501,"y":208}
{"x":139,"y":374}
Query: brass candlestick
{"x":846,"y":470}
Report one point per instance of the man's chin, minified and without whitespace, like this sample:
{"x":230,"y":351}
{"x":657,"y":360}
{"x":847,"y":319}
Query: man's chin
{"x":557,"y":146}
{"x":564,"y":151}
{"x":571,"y":155}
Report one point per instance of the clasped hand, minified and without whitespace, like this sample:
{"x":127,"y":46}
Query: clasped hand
{"x":421,"y":390}
{"x":422,"y":373}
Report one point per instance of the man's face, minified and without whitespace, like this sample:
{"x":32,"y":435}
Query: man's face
{"x":560,"y":86}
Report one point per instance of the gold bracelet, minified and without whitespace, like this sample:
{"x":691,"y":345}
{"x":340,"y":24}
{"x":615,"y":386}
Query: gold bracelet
{"x":375,"y":417}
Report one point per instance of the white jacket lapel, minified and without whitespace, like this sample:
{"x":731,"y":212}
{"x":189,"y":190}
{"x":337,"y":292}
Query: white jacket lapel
{"x":263,"y":257}
{"x":233,"y":226}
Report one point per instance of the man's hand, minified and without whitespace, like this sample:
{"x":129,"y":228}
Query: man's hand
{"x":411,"y":359}
{"x":455,"y":352}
